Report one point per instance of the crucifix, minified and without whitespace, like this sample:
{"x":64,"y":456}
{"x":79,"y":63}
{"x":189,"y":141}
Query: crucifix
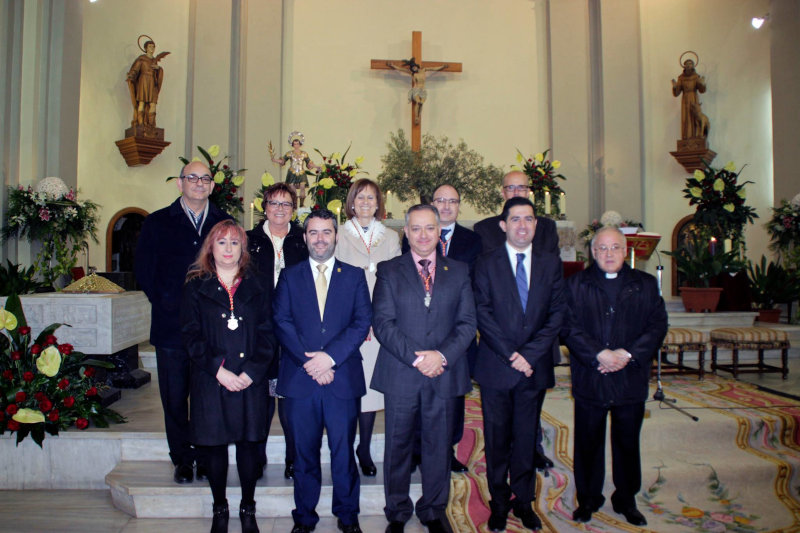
{"x":417,"y":69}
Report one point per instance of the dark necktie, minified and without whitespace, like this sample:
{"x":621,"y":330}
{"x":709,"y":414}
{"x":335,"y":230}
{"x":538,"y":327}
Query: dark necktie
{"x":425,"y":264}
{"x":443,"y":240}
{"x":522,"y":281}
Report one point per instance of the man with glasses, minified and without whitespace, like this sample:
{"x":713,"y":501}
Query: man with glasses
{"x":168,"y":244}
{"x":616,"y":324}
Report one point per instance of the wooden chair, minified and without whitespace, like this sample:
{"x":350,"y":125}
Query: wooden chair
{"x":759,"y":339}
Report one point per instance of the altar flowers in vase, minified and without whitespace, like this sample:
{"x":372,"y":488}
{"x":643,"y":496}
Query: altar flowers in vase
{"x":548,"y":197}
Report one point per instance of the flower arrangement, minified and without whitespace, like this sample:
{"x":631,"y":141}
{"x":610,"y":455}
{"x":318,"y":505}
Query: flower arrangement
{"x":51,"y":214}
{"x":543,"y":182}
{"x":227,"y":181}
{"x":267,"y":180}
{"x":721,"y":211}
{"x":784,"y":226}
{"x":46,"y":386}
{"x":334,"y":180}
{"x":609,"y":218}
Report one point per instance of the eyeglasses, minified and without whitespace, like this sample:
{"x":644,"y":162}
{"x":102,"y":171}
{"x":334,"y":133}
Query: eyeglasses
{"x":192,"y":178}
{"x":276,"y":205}
{"x":515,"y":188}
{"x":447,"y":201}
{"x":606,"y":250}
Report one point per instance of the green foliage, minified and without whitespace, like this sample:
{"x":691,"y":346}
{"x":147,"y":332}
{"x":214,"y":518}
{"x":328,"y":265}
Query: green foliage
{"x":415,"y":176}
{"x":770,"y":283}
{"x":227,"y":182}
{"x":16,"y":281}
{"x":784,"y":227}
{"x":698,"y":265}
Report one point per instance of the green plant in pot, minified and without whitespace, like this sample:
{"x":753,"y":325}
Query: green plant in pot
{"x":770,"y":283}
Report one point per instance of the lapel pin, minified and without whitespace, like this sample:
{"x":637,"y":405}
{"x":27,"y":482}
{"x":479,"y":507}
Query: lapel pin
{"x":338,"y":270}
{"x":445,"y":268}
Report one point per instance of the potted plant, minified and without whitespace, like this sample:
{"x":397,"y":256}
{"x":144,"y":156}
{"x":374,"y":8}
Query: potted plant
{"x":699,"y":264}
{"x":770,"y":283}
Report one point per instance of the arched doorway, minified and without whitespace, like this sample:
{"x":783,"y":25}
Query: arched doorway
{"x":121,"y":237}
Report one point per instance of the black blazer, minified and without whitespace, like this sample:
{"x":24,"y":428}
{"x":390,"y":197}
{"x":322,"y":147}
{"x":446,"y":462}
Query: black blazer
{"x":503,"y":327}
{"x":545,"y":240}
{"x":465,"y":246}
{"x":262,"y":251}
{"x":403,"y":325}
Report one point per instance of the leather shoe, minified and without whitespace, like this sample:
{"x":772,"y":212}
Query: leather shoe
{"x":527,"y":517}
{"x":582,"y":514}
{"x":219,"y":520}
{"x":300,"y":528}
{"x":395,"y":527}
{"x":632,"y":515}
{"x":288,"y":472}
{"x":497,"y":522}
{"x":201,"y":473}
{"x":183,"y":474}
{"x":435,"y":526}
{"x":351,"y":528}
{"x":368,"y":468}
{"x":542,"y":462}
{"x":457,"y":466}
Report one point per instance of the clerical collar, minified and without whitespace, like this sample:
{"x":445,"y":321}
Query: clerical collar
{"x":611,"y":275}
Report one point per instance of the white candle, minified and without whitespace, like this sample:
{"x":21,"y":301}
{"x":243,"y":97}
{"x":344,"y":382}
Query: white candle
{"x":252,"y":214}
{"x":547,"y":202}
{"x":562,"y":204}
{"x":727,"y":245}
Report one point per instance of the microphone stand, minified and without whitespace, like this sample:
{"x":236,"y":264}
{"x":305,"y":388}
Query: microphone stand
{"x":659,"y":394}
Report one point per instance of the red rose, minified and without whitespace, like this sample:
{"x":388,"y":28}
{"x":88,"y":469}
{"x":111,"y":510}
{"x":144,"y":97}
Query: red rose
{"x":8,"y":374}
{"x":320,"y":192}
{"x":81,"y":423}
{"x":228,"y":197}
{"x":28,"y":376}
{"x":53,"y":416}
{"x":50,"y":339}
{"x":45,"y":405}
{"x":92,"y":391}
{"x":16,"y":355}
{"x":12,"y":409}
{"x":63,"y":384}
{"x":89,"y":372}
{"x":66,"y":349}
{"x":225,"y":167}
{"x":241,"y":198}
{"x":211,"y":162}
{"x":13,"y":425}
{"x":69,"y":401}
{"x":39,"y":396}
{"x":24,"y":330}
{"x":36,"y":349}
{"x":233,"y":189}
{"x":20,"y":397}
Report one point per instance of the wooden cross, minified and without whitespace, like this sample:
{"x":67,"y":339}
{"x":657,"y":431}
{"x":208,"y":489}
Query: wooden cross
{"x":417,"y":80}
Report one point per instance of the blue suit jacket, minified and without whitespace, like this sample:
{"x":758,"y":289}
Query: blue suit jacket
{"x":347,"y":318}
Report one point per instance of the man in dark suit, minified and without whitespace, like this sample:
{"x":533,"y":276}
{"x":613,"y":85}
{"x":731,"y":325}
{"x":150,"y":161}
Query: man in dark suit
{"x":517,"y":185}
{"x":322,"y":314}
{"x":168,"y":244}
{"x":617,"y":322}
{"x":424,"y":318}
{"x":461,"y":244}
{"x":519,"y":297}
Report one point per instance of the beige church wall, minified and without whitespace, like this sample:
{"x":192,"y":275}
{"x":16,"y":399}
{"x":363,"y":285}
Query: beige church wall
{"x":497,"y":103}
{"x":110,"y":30}
{"x":734,"y":58}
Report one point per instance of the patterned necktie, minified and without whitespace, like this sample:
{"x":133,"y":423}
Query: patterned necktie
{"x":522,"y":281}
{"x":322,"y":289}
{"x":443,"y":241}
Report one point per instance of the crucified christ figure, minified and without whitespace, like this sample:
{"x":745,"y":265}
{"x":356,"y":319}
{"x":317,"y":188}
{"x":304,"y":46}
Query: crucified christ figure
{"x":417,"y":94}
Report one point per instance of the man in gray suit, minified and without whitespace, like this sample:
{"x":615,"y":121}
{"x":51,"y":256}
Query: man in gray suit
{"x":424,"y":318}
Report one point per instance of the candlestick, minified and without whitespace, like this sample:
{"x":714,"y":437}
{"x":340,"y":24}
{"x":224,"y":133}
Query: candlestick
{"x":546,"y":202}
{"x":562,"y":204}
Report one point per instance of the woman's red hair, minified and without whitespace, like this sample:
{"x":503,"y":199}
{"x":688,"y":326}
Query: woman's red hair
{"x":204,"y":264}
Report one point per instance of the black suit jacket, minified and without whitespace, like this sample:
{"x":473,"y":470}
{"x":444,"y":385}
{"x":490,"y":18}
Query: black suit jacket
{"x":545,"y":240}
{"x":505,"y":329}
{"x":465,"y":246}
{"x":403,"y":325}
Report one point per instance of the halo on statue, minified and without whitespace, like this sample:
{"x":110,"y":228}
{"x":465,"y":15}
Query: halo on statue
{"x":696,"y":58}
{"x":139,"y":42}
{"x":297,"y":136}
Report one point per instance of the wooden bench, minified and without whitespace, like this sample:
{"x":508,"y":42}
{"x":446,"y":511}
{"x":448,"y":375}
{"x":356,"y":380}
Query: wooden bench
{"x":758,"y":339}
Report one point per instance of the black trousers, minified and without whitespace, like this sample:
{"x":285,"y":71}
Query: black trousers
{"x":511,"y":423}
{"x":590,"y":460}
{"x":173,"y":384}
{"x":287,"y":430}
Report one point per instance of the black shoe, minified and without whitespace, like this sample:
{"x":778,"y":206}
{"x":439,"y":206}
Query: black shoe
{"x":219,"y":520}
{"x":352,"y":528}
{"x":542,"y":462}
{"x":528,"y":517}
{"x":457,"y":466}
{"x":247,"y":515}
{"x":300,"y":528}
{"x":497,"y":522}
{"x":582,"y":514}
{"x":395,"y":527}
{"x":435,"y":526}
{"x":632,"y":515}
{"x":288,"y":472}
{"x":201,"y":474}
{"x":183,"y":474}
{"x":368,"y":467}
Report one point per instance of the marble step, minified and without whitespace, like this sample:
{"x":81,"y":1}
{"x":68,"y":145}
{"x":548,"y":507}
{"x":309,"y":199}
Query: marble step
{"x":145,"y":489}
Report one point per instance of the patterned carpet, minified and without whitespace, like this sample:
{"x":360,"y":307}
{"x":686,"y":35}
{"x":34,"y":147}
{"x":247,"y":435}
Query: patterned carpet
{"x":735,"y":470}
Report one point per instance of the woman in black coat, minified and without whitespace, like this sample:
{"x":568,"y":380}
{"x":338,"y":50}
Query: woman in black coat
{"x":226,"y":325}
{"x":274,"y":244}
